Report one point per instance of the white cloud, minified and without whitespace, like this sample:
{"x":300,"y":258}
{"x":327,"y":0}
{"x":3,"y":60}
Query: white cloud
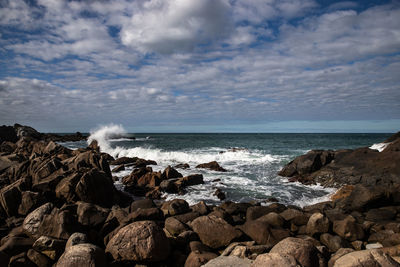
{"x":176,"y":25}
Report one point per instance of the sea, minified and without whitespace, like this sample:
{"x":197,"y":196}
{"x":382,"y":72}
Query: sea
{"x":252,"y":160}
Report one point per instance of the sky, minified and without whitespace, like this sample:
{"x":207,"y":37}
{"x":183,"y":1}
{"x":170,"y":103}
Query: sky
{"x":201,"y":66}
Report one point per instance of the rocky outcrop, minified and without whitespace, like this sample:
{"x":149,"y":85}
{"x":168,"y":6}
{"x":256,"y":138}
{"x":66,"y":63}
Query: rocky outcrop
{"x":213,"y":165}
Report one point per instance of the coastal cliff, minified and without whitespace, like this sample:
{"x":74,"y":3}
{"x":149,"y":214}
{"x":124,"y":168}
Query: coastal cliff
{"x":59,"y":207}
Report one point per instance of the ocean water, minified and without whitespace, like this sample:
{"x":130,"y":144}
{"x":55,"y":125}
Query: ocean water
{"x":252,"y":167}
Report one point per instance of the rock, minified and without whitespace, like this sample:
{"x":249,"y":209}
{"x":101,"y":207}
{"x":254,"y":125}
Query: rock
{"x":333,"y":243}
{"x":273,"y":219}
{"x":142,"y":204}
{"x":197,"y":259}
{"x":223,"y":261}
{"x":348,"y":229}
{"x":169,"y":186}
{"x":34,"y":219}
{"x":213,"y":165}
{"x":8,"y":133}
{"x":10,"y":198}
{"x":119,"y":168}
{"x":187,"y":217}
{"x":76,"y":239}
{"x":88,"y":159}
{"x":182,"y":166}
{"x":235,"y":208}
{"x":26,"y":131}
{"x":82,"y":255}
{"x":341,"y":252}
{"x":153,"y":214}
{"x":131,"y":179}
{"x":219,"y":194}
{"x":123,"y":160}
{"x":174,"y":226}
{"x":253,"y":213}
{"x":14,"y":245}
{"x":303,"y":251}
{"x":317,"y":224}
{"x":189,"y":180}
{"x":373,"y":246}
{"x":65,"y":189}
{"x":96,"y":187}
{"x":263,"y":233}
{"x":38,"y":258}
{"x":175,"y":207}
{"x":51,"y":247}
{"x":343,"y":192}
{"x":21,"y":260}
{"x":295,"y":216}
{"x":365,"y":258}
{"x":29,"y":201}
{"x":214,"y":232}
{"x":201,"y":207}
{"x":274,"y":260}
{"x":139,"y":241}
{"x":382,"y":214}
{"x":170,"y":173}
{"x":143,"y":163}
{"x":91,"y":215}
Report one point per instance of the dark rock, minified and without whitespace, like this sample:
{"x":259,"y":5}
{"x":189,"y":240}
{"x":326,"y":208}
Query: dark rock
{"x":26,"y":131}
{"x":382,"y":214}
{"x":175,"y":207}
{"x":348,"y":229}
{"x":119,"y":168}
{"x":38,"y":258}
{"x":139,"y":241}
{"x":235,"y":208}
{"x":215,"y":232}
{"x":219,"y":194}
{"x":197,"y":259}
{"x":8,"y":133}
{"x":189,"y":180}
{"x":187,"y":217}
{"x":169,"y":186}
{"x":303,"y":251}
{"x":213,"y":165}
{"x":317,"y":224}
{"x":94,"y":145}
{"x":21,"y":260}
{"x":263,"y":233}
{"x":170,"y":173}
{"x":82,"y":255}
{"x":182,"y":166}
{"x":51,"y":247}
{"x":273,"y":219}
{"x":15,"y":245}
{"x":29,"y":201}
{"x":123,"y":160}
{"x":253,"y":213}
{"x":131,"y":180}
{"x":96,"y":187}
{"x":201,"y":208}
{"x":332,"y":242}
{"x":65,"y":189}
{"x":143,"y":163}
{"x":150,"y":179}
{"x":153,"y":214}
{"x":365,"y":258}
{"x":76,"y":239}
{"x":10,"y":198}
{"x":174,"y":226}
{"x":142,"y":204}
{"x":91,"y":215}
{"x":298,"y":217}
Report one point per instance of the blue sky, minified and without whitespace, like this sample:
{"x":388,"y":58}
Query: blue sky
{"x":201,"y":66}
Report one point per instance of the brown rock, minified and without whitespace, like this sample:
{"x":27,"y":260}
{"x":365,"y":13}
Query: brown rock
{"x":333,"y":243}
{"x":213,"y":165}
{"x":317,"y":224}
{"x":51,"y":247}
{"x":82,"y":255}
{"x":341,"y":252}
{"x":142,"y":204}
{"x":274,"y":260}
{"x":197,"y":259}
{"x":10,"y":198}
{"x":365,"y":258}
{"x":263,"y":233}
{"x":214,"y":232}
{"x":119,"y":168}
{"x":76,"y":239}
{"x":153,"y":214}
{"x":175,"y":207}
{"x":170,"y":173}
{"x":201,"y":208}
{"x":38,"y":258}
{"x":182,"y":166}
{"x":29,"y":201}
{"x":139,"y":241}
{"x":348,"y":229}
{"x":91,"y":215}
{"x":343,"y":192}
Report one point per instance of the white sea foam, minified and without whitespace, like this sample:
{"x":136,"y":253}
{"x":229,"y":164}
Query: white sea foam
{"x":380,"y":146}
{"x":104,"y":134}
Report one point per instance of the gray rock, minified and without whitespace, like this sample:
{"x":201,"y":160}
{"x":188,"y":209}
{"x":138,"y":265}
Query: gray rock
{"x":85,"y":255}
{"x":230,"y":261}
{"x":274,"y":260}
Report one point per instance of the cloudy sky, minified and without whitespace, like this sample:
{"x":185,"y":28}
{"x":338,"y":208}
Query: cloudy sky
{"x":201,"y":65}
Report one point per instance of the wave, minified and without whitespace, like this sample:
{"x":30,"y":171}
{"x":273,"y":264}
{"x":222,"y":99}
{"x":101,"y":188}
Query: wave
{"x":104,"y":134}
{"x":380,"y":146}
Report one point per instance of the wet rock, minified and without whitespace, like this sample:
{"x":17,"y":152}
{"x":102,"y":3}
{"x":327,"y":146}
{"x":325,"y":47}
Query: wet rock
{"x":348,"y":229}
{"x":170,"y":173}
{"x":317,"y":224}
{"x":215,"y":232}
{"x":365,"y":258}
{"x":119,"y":168}
{"x":123,"y":160}
{"x":82,"y":255}
{"x":169,"y":186}
{"x":213,"y":165}
{"x":51,"y":247}
{"x":189,"y":180}
{"x":182,"y":166}
{"x":274,"y":260}
{"x":303,"y":251}
{"x":139,"y":241}
{"x":219,"y":194}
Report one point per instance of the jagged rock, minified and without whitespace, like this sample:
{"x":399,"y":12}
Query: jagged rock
{"x":303,"y":251}
{"x":201,"y":208}
{"x":169,"y":186}
{"x":219,"y":194}
{"x":348,"y":229}
{"x":150,"y":179}
{"x":94,"y":145}
{"x":175,"y":207}
{"x":29,"y":201}
{"x":38,"y":258}
{"x":65,"y":189}
{"x":119,"y":168}
{"x":131,"y":180}
{"x":51,"y":247}
{"x":76,"y":239}
{"x":214,"y":232}
{"x":213,"y":165}
{"x":365,"y":258}
{"x":26,"y":131}
{"x":10,"y":198}
{"x":82,"y":255}
{"x":182,"y":166}
{"x":274,"y":260}
{"x":317,"y":224}
{"x":170,"y":173}
{"x":139,"y":241}
{"x":21,"y":260}
{"x":91,"y":215}
{"x":95,"y":187}
{"x":123,"y":160}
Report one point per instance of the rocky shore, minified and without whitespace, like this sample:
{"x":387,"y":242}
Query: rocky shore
{"x":59,"y":207}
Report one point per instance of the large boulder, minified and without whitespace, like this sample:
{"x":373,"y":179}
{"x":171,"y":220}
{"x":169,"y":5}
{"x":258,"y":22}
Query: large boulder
{"x":274,"y":260}
{"x":10,"y":198}
{"x":317,"y":224}
{"x":91,"y":215}
{"x":303,"y":251}
{"x":85,"y":255}
{"x":213,"y":165}
{"x":139,"y":241}
{"x":51,"y":247}
{"x":215,"y":232}
{"x":197,"y":259}
{"x":170,"y":173}
{"x":373,"y":258}
{"x":96,"y":187}
{"x":175,"y":207}
{"x":349,"y":229}
{"x":263,"y":233}
{"x":225,"y":261}
{"x":33,"y":220}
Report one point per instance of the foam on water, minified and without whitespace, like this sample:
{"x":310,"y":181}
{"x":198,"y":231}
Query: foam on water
{"x":380,"y":146}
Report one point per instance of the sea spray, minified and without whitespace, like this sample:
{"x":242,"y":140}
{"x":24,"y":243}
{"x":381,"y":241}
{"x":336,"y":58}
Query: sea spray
{"x":104,"y":134}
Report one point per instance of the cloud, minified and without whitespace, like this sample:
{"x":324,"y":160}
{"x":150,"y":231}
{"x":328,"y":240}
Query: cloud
{"x":177,"y":25}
